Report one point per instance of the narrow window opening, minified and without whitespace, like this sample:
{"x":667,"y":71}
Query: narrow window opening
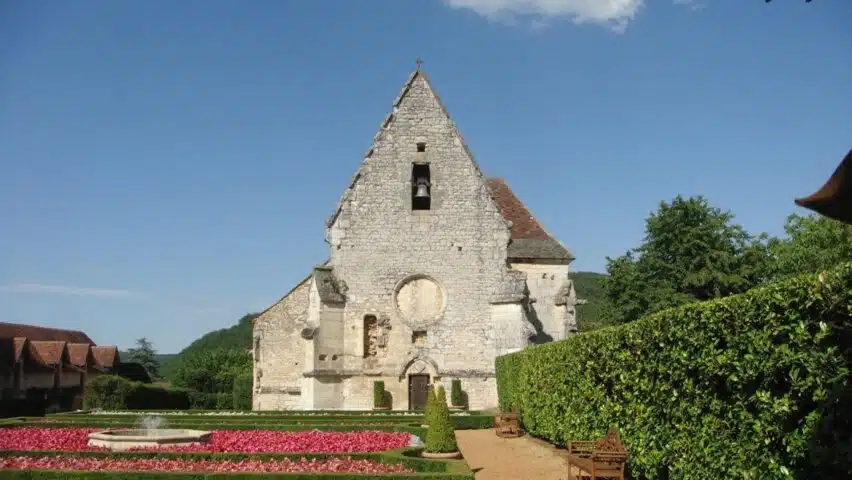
{"x":421,"y":147}
{"x":418,"y":338}
{"x":371,"y":330}
{"x":421,"y":187}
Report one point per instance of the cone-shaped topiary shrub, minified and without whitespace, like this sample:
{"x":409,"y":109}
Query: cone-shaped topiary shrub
{"x":456,"y":395}
{"x":379,"y":394}
{"x":430,"y":405}
{"x":440,"y":437}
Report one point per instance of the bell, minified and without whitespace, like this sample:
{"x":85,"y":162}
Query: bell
{"x":422,"y":191}
{"x":422,"y":188}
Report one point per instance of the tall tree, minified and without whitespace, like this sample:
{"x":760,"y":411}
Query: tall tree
{"x":813,"y":243}
{"x":145,"y":355}
{"x":691,"y":251}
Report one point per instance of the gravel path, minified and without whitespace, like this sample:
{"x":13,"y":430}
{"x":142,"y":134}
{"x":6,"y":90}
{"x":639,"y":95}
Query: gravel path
{"x":492,"y":457}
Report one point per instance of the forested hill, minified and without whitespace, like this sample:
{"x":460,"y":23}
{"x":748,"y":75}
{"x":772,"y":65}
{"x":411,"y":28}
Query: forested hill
{"x":161,"y":358}
{"x":589,"y":287}
{"x":237,"y":337}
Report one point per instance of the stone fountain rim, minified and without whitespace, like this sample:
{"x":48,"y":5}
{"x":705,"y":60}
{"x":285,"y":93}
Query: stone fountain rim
{"x":113,"y":435}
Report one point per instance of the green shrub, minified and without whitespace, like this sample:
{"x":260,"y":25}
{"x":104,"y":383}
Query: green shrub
{"x":111,"y":392}
{"x":144,"y":397}
{"x":456,"y":394}
{"x":751,"y":386}
{"x":379,"y":396}
{"x":224,"y":401}
{"x":108,"y":392}
{"x":440,"y":437}
{"x":202,"y":400}
{"x":243,"y":385}
{"x":430,"y":405}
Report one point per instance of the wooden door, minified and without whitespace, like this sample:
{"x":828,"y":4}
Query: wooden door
{"x":418,"y":391}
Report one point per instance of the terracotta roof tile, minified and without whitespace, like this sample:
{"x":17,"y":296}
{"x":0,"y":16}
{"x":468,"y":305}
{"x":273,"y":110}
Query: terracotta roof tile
{"x":42,"y":334}
{"x":79,"y":354}
{"x":47,"y":353}
{"x":106,"y":356}
{"x":20,"y":343}
{"x":529,"y":238}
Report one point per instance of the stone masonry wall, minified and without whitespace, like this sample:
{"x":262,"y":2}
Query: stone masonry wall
{"x":377,"y":241}
{"x":543,"y":282}
{"x":279,"y":352}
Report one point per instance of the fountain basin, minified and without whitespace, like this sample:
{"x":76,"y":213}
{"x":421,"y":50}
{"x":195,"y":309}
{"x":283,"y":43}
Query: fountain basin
{"x":120,"y":440}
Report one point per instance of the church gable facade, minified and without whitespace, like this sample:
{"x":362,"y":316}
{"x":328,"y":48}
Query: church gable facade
{"x":433,"y":271}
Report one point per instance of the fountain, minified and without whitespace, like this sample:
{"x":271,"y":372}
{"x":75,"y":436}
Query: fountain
{"x":150,"y":435}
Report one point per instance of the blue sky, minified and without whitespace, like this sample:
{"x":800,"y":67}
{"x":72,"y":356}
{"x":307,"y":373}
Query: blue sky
{"x":166,"y":167}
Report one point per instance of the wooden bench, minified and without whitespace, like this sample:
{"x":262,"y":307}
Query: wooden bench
{"x":604,"y":458}
{"x":507,"y":425}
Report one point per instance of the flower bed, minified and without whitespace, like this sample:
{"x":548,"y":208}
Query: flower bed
{"x":329,"y":465}
{"x":283,"y":413}
{"x":235,"y":441}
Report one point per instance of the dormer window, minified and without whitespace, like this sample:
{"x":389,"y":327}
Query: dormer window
{"x":421,"y":187}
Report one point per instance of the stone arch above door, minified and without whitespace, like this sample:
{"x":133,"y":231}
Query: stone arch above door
{"x":418,"y":364}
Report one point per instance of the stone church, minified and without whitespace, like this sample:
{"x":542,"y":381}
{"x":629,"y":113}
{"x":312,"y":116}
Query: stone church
{"x":433,"y":271}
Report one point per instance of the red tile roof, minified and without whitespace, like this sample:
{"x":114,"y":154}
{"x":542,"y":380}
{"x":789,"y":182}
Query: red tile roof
{"x":524,"y":225}
{"x":42,"y":334}
{"x":19,"y":347}
{"x":47,"y":353}
{"x":529,"y":238}
{"x":78,"y":354}
{"x":106,"y":356}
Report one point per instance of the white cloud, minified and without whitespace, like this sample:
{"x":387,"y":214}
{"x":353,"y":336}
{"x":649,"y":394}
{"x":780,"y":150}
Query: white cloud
{"x":614,"y":14}
{"x":40,"y":289}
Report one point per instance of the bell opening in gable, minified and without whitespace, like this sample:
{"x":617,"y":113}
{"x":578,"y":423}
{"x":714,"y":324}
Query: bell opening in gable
{"x":421,"y":187}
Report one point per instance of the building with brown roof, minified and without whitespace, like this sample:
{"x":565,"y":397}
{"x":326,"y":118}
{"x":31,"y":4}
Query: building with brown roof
{"x":434,"y":270}
{"x":40,"y":359}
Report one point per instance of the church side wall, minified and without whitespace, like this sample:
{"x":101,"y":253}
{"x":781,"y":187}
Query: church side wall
{"x":544,"y":282}
{"x":279,"y":352}
{"x":377,"y":241}
{"x":356,"y":393}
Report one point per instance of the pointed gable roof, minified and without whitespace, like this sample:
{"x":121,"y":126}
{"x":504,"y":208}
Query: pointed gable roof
{"x":529,"y":239}
{"x":79,"y":354}
{"x":47,"y":353}
{"x":20,"y":343}
{"x":106,"y":356}
{"x":410,"y":84}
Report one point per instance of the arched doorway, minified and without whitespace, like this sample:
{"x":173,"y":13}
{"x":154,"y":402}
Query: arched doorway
{"x":419,"y":373}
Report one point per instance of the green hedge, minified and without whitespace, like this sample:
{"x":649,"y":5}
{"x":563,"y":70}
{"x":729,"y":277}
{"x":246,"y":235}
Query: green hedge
{"x":243,"y":385}
{"x":112,"y":392}
{"x":17,"y":407}
{"x":753,"y":386}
